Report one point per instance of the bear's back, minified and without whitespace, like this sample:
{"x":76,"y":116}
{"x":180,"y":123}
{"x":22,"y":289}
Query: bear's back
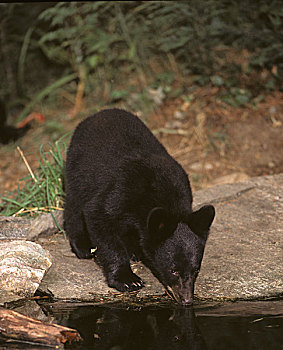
{"x":114,"y":134}
{"x":102,"y":143}
{"x":114,"y":148}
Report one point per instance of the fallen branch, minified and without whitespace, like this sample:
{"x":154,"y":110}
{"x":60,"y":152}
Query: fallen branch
{"x":16,"y":326}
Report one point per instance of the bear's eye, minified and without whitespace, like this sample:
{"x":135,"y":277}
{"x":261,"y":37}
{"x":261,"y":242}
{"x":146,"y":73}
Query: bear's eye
{"x":174,"y":272}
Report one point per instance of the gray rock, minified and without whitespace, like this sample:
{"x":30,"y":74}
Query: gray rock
{"x":30,"y":229}
{"x":13,"y":227}
{"x":22,"y":267}
{"x":72,"y":278}
{"x":229,"y":179}
{"x":243,"y":257}
{"x":7,"y":297}
{"x":45,"y":225}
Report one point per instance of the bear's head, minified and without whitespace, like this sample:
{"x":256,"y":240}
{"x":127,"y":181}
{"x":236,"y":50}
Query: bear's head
{"x":173,"y":250}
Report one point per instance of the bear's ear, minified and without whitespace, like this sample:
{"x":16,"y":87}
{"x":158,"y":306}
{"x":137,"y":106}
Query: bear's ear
{"x":160,"y":225}
{"x":200,"y":220}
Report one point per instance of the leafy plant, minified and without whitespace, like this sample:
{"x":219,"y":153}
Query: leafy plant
{"x":117,"y":95}
{"x":103,"y":44}
{"x":237,"y":97}
{"x":103,"y":33}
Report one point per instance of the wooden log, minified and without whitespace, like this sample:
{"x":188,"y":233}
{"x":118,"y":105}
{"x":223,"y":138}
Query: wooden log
{"x":16,"y":326}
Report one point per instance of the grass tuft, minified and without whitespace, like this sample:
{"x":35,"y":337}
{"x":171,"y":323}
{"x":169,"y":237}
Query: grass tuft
{"x":43,"y":189}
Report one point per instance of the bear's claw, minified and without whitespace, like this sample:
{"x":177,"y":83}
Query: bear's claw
{"x":130,"y":284}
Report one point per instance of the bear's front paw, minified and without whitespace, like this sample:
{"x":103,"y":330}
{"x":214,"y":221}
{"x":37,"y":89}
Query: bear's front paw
{"x":126,"y":282}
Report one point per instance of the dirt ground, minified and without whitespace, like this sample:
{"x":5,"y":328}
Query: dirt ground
{"x":224,"y":143}
{"x":214,"y":142}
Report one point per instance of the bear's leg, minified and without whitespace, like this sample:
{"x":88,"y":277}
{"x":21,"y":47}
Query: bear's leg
{"x":112,"y":256}
{"x":78,"y":235}
{"x":121,"y":277}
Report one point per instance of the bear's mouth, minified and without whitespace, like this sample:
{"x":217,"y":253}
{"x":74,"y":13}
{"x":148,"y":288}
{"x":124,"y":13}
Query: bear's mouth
{"x":183,"y":296}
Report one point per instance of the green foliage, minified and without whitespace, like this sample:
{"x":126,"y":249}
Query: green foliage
{"x":216,"y":80}
{"x":117,"y":95}
{"x":74,"y":34}
{"x":45,"y":92}
{"x":164,"y":79}
{"x":237,"y":97}
{"x":218,"y":139}
{"x":42,"y":191}
{"x":104,"y":43}
{"x":104,"y":32}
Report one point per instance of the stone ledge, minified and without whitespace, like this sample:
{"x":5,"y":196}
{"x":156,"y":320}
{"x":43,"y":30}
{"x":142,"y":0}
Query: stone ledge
{"x":243,"y":257}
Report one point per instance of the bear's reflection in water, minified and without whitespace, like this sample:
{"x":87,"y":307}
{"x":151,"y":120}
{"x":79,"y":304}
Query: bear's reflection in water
{"x":117,"y":327}
{"x":110,"y":328}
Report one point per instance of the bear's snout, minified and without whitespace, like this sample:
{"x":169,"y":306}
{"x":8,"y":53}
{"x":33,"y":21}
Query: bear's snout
{"x":183,"y":292}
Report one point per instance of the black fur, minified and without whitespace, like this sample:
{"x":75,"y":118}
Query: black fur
{"x":9,"y":133}
{"x":125,"y":196}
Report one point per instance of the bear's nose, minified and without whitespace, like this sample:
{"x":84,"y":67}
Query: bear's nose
{"x":188,"y":301}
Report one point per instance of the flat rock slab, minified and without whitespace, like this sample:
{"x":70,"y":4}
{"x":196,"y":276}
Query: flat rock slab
{"x":243,"y":256}
{"x":73,"y":278}
{"x":14,"y":228}
{"x":30,"y":229}
{"x":244,"y":253}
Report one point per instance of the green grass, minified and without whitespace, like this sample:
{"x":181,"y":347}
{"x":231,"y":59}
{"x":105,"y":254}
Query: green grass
{"x":43,"y":190}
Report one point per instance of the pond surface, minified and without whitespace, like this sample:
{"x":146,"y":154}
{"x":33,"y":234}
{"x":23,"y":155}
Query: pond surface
{"x":240,"y":325}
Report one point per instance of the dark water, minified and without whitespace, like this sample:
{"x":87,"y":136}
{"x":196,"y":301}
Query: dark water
{"x":209,"y":327}
{"x":206,"y":327}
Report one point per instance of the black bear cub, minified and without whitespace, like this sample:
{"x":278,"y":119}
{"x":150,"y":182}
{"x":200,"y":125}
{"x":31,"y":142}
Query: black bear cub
{"x":127,"y":197}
